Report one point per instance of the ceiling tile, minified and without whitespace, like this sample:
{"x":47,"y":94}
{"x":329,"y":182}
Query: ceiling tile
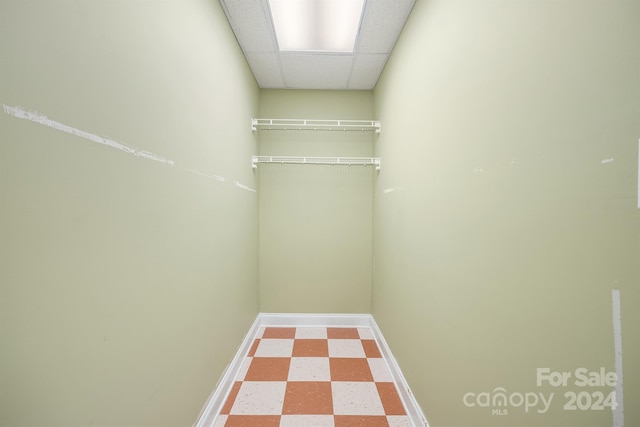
{"x":266,"y":69}
{"x":381,"y":25}
{"x":251,"y":25}
{"x":316,"y":71}
{"x":366,"y":71}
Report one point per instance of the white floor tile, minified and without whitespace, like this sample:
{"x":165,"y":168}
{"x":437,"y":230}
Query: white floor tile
{"x":379,"y":370}
{"x":365,"y":333}
{"x":259,"y":398}
{"x":244,"y":368}
{"x":274,"y":347}
{"x":356,"y":398}
{"x":345,"y":348}
{"x":311,"y":333}
{"x":309,"y":369}
{"x":398,"y":421}
{"x":306,"y":421}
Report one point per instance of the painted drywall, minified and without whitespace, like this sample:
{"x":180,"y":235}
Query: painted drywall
{"x":128,"y":254}
{"x":315,"y":221}
{"x":505,"y":212}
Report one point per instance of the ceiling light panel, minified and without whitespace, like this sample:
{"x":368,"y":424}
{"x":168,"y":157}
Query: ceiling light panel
{"x":316,"y":25}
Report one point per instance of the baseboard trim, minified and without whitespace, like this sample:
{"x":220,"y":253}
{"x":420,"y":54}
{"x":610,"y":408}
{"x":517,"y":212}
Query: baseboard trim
{"x":214,"y":403}
{"x":312,"y":319}
{"x":218,"y":397}
{"x":411,"y":405}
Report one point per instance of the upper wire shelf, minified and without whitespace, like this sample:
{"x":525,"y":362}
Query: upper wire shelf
{"x":322,"y":125}
{"x":349,"y":161}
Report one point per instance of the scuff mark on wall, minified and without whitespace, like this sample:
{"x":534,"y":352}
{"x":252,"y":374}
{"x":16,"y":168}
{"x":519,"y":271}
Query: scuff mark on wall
{"x":39,"y":118}
{"x":36,"y":117}
{"x":206,"y":175}
{"x":392,"y":190}
{"x":244,"y":187}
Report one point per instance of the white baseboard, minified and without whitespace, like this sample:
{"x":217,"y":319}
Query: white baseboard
{"x":312,"y":319}
{"x":411,"y":405}
{"x":216,"y":400}
{"x":214,"y":404}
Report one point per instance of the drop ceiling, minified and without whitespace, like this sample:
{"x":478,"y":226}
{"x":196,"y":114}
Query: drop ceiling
{"x":381,"y":24}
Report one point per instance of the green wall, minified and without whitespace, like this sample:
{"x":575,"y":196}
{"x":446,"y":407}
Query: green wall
{"x":126,"y":284}
{"x":506,"y":209}
{"x":316,"y":221}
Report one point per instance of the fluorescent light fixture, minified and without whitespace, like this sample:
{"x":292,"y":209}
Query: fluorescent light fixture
{"x":316,"y":25}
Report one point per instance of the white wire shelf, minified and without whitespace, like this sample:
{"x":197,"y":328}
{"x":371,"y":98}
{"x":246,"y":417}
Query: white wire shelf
{"x":347,"y":161}
{"x":320,"y":125}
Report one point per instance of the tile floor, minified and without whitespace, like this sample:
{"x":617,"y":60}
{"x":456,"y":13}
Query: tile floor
{"x":313,"y":377}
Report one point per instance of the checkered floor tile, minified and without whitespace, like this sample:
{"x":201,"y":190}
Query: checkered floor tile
{"x":314,"y":377}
